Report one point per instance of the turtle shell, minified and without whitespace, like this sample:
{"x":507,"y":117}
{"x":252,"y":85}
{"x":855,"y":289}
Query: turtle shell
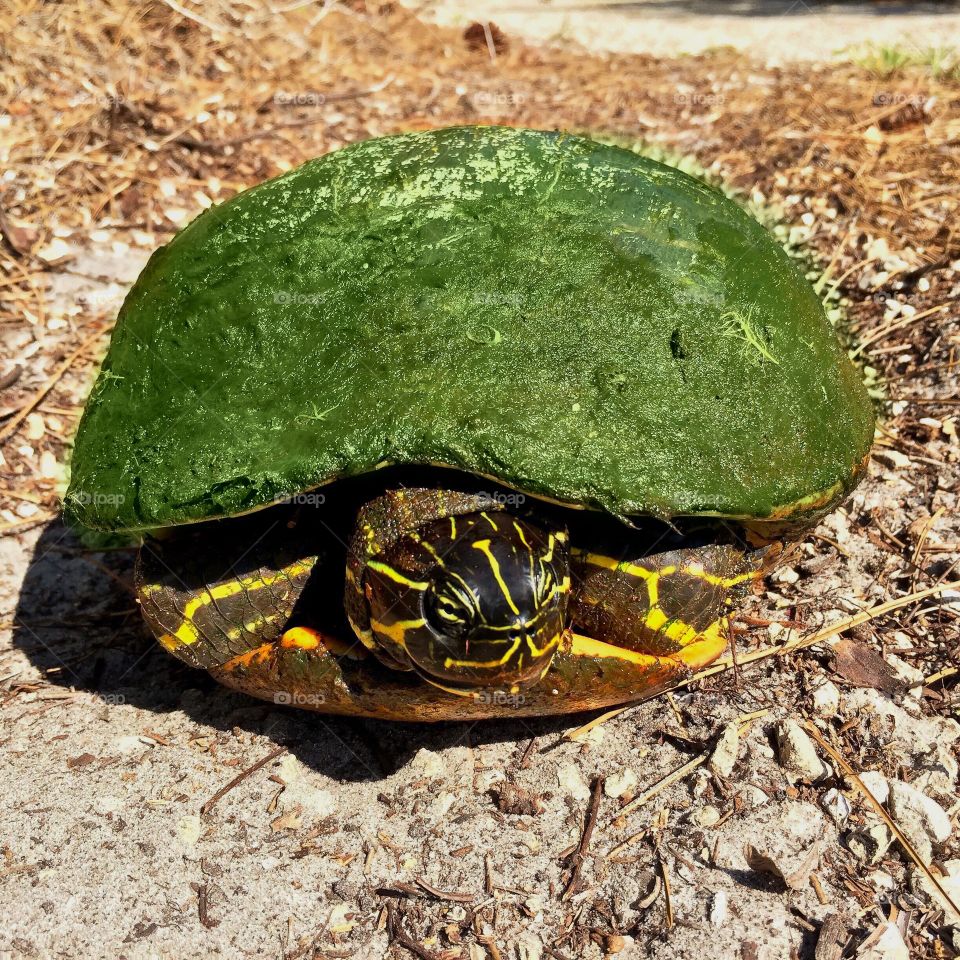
{"x":572,"y":319}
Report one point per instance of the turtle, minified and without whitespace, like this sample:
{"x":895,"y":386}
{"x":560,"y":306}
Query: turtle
{"x":465,"y":423}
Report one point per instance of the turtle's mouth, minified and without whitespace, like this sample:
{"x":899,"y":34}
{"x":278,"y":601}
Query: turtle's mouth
{"x":496,"y":681}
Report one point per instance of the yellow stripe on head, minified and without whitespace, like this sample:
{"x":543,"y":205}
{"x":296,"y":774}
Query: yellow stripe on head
{"x":484,"y":547}
{"x":397,"y":576}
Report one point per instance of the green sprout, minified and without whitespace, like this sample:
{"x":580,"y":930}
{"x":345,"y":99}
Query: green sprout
{"x":743,"y":325}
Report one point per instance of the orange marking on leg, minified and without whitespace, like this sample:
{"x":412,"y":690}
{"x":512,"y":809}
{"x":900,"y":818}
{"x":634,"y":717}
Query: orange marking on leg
{"x":253,"y":657}
{"x":304,"y":638}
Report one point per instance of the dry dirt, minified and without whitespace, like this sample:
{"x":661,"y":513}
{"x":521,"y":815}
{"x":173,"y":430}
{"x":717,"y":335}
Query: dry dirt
{"x":359,"y":839}
{"x":772,"y":31}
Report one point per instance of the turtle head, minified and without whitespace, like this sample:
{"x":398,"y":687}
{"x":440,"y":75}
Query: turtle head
{"x":489,"y":612}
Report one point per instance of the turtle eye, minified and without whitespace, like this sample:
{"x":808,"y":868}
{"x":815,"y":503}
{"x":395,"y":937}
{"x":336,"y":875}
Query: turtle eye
{"x":450,"y":610}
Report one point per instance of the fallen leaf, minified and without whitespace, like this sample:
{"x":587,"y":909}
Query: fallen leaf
{"x":862,"y":666}
{"x":287,"y":821}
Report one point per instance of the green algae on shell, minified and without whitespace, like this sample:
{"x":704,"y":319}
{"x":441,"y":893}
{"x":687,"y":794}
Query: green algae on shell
{"x":573,"y":319}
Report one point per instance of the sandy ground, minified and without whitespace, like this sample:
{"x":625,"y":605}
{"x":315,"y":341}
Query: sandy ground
{"x":359,"y":839}
{"x":774,"y":32}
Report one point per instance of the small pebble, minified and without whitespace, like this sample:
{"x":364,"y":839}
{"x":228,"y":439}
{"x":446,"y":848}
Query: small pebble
{"x":570,"y":780}
{"x":429,"y":763}
{"x":617,"y":784}
{"x":923,"y":820}
{"x":724,"y":755}
{"x":836,"y":804}
{"x":707,"y":816}
{"x":871,"y":843}
{"x":874,"y":781}
{"x":798,"y":755}
{"x":189,"y":829}
{"x":885,"y":943}
{"x":753,"y":796}
{"x":35,"y":427}
{"x":788,"y":575}
{"x":718,"y":909}
{"x":826,"y":699}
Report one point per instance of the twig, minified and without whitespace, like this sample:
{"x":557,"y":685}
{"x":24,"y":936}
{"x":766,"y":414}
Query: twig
{"x":214,"y":146}
{"x":934,"y":677}
{"x":423,"y":889}
{"x":819,"y":636}
{"x":21,"y":526}
{"x":666,"y":891}
{"x":239,"y":778}
{"x":525,"y":759}
{"x":629,"y":842}
{"x":678,"y":774}
{"x":203,"y":907}
{"x":196,"y":18}
{"x":580,"y":854}
{"x":399,"y":935}
{"x":595,"y":722}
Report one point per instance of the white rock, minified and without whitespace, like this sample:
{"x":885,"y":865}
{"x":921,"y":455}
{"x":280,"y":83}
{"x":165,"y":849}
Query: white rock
{"x":442,"y":804}
{"x":882,"y":881}
{"x":429,"y":763}
{"x":487,"y":778}
{"x":923,"y":820}
{"x":910,"y":733}
{"x":570,"y":780}
{"x":339,"y":920}
{"x":908,"y":675}
{"x":290,"y":769}
{"x":937,"y":774}
{"x":707,"y":816}
{"x":753,"y":797}
{"x":874,"y":781}
{"x":797,"y":753}
{"x":49,"y":467}
{"x":871,"y":842}
{"x":321,"y":803}
{"x":529,"y":947}
{"x":950,"y":882}
{"x":35,"y":427}
{"x":788,"y":575}
{"x":617,"y":784}
{"x":718,"y":909}
{"x":189,"y":829}
{"x":594,"y":736}
{"x":885,"y":943}
{"x":724,"y":754}
{"x":107,"y":804}
{"x":836,"y":804}
{"x":826,"y":699}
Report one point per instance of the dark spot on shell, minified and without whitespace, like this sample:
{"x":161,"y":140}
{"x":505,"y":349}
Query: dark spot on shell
{"x":676,"y":345}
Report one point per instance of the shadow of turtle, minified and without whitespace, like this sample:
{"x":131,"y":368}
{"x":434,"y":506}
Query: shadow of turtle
{"x":78,"y":623}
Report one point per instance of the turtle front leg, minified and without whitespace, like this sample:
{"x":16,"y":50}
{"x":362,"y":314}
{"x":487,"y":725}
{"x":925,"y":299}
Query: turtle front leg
{"x":208,"y":606}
